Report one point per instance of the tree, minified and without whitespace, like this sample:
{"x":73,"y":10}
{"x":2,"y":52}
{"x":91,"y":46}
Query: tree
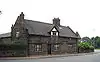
{"x":96,"y":41}
{"x":85,"y":39}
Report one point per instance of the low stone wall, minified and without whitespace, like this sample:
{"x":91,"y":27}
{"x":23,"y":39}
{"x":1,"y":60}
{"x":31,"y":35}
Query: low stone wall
{"x":12,"y":53}
{"x":80,"y":50}
{"x":13,"y":50}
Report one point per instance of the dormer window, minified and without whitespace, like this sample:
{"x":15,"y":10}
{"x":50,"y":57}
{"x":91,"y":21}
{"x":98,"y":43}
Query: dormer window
{"x":17,"y":34}
{"x":54,"y":32}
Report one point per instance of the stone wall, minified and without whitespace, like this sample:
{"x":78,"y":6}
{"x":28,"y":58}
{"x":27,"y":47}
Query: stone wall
{"x":66,"y":45}
{"x":12,"y":50}
{"x":12,"y":53}
{"x":80,"y":50}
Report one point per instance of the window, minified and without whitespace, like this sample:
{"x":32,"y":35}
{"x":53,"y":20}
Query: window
{"x":70,"y":38}
{"x":55,"y":33}
{"x":38,"y":48}
{"x":17,"y":34}
{"x":70,"y":45}
{"x":56,"y":47}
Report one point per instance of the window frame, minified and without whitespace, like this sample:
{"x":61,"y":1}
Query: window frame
{"x":17,"y":34}
{"x":38,"y":47}
{"x":54,"y":33}
{"x":56,"y":47}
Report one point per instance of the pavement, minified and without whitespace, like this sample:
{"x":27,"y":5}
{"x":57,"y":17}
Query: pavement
{"x":49,"y":56}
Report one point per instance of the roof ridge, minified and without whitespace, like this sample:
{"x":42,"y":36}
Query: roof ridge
{"x":38,"y":21}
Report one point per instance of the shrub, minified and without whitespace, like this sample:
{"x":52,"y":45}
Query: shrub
{"x":91,"y":47}
{"x":85,"y":45}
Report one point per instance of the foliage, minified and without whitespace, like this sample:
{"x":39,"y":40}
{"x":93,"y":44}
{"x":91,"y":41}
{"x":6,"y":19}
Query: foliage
{"x":91,"y":47}
{"x":85,"y":45}
{"x":96,"y":41}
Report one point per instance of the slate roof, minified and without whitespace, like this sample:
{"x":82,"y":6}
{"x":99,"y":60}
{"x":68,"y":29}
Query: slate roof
{"x":41,"y":28}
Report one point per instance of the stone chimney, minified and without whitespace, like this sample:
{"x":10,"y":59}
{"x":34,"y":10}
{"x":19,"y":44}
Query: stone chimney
{"x":21,"y":15}
{"x":56,"y":21}
{"x":20,"y":20}
{"x":77,"y":34}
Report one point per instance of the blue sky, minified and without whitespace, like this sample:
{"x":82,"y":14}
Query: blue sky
{"x":81,"y":15}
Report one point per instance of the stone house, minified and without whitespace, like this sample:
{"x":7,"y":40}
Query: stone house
{"x":38,"y":38}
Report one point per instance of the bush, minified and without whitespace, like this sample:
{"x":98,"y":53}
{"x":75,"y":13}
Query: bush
{"x":85,"y":45}
{"x":91,"y":47}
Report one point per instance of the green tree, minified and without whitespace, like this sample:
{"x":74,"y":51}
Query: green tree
{"x":87,"y":39}
{"x":96,"y":41}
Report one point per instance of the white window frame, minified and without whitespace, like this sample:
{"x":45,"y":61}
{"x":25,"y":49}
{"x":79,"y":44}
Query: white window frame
{"x":17,"y":34}
{"x":38,"y":48}
{"x":56,"y":33}
{"x":53,"y":34}
{"x":56,"y":47}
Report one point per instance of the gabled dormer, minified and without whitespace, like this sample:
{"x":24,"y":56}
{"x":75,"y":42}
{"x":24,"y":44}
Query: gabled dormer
{"x":54,"y":31}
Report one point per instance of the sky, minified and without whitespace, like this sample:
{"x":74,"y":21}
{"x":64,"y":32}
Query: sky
{"x":81,"y":15}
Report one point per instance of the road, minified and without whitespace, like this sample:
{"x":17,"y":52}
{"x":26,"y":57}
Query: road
{"x":97,"y":51}
{"x":86,"y":58}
